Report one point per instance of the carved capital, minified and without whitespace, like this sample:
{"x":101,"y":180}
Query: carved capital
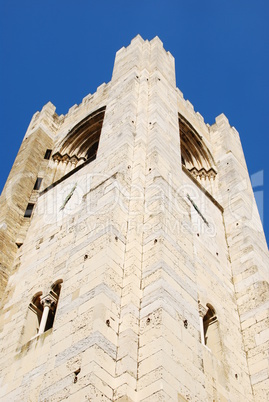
{"x":48,"y":301}
{"x":202,"y":310}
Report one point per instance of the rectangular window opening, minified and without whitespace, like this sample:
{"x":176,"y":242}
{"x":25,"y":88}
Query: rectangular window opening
{"x":29,"y":210}
{"x":38,"y":183}
{"x":48,"y":154}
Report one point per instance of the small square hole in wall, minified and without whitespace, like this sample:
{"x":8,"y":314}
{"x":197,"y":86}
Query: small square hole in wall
{"x":29,"y":210}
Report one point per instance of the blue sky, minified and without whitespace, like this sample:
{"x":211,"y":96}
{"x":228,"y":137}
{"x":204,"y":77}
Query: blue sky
{"x":61,"y":50}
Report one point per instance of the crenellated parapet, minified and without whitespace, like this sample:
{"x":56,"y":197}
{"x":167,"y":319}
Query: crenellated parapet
{"x":133,"y":259}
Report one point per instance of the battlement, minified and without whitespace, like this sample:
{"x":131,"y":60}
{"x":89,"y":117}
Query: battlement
{"x":133,"y":265}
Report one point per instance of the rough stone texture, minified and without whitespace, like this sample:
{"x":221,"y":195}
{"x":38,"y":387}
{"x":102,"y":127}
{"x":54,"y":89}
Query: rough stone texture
{"x":142,"y":245}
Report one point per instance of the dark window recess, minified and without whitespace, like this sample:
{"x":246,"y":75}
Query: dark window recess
{"x":29,"y":210}
{"x":38,"y":183}
{"x":48,"y":154}
{"x":50,"y":320}
{"x":56,"y":293}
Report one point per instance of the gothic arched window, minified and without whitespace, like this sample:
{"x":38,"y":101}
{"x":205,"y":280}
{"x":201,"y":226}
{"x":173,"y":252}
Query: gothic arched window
{"x":33,"y":318}
{"x":41,"y":312}
{"x":195,"y":155}
{"x":211,"y":336}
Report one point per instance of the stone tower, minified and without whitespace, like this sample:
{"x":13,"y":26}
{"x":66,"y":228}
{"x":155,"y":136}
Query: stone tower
{"x":133,"y":258}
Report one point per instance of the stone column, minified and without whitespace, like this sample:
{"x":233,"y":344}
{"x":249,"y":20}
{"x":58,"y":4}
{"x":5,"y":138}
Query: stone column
{"x":49,"y":304}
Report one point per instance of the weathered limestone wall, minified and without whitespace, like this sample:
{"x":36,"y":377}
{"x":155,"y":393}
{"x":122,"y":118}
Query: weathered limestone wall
{"x":247,"y":250}
{"x":45,"y":131}
{"x":227,"y":368}
{"x":87,"y":257}
{"x":16,"y":195}
{"x":141,"y":248}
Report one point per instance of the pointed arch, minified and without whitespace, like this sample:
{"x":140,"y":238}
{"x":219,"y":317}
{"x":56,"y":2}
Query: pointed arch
{"x":211,"y":331}
{"x":83,"y":139}
{"x":41,"y":312}
{"x":195,"y":155}
{"x":33,"y":318}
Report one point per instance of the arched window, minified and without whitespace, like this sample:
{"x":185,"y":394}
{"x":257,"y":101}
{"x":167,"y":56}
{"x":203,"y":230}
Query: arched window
{"x":41,"y":312}
{"x":195,"y":155}
{"x":209,"y":320}
{"x":33,"y":318}
{"x":79,"y":146}
{"x":210,"y":336}
{"x":81,"y":143}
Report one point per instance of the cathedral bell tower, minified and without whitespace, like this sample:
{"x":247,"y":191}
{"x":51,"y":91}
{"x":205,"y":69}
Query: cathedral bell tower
{"x":134,"y":266}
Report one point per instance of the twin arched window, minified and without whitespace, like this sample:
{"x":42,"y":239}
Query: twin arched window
{"x":41,"y":312}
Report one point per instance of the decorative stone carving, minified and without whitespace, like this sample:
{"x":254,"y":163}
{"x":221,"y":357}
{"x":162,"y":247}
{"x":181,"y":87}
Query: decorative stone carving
{"x":202,"y":310}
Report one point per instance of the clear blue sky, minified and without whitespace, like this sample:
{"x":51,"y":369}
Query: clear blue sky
{"x":61,"y":50}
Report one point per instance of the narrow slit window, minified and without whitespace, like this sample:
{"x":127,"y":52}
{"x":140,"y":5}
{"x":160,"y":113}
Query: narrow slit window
{"x":38,"y":183}
{"x":29,"y":210}
{"x":48,"y":154}
{"x":211,"y":332}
